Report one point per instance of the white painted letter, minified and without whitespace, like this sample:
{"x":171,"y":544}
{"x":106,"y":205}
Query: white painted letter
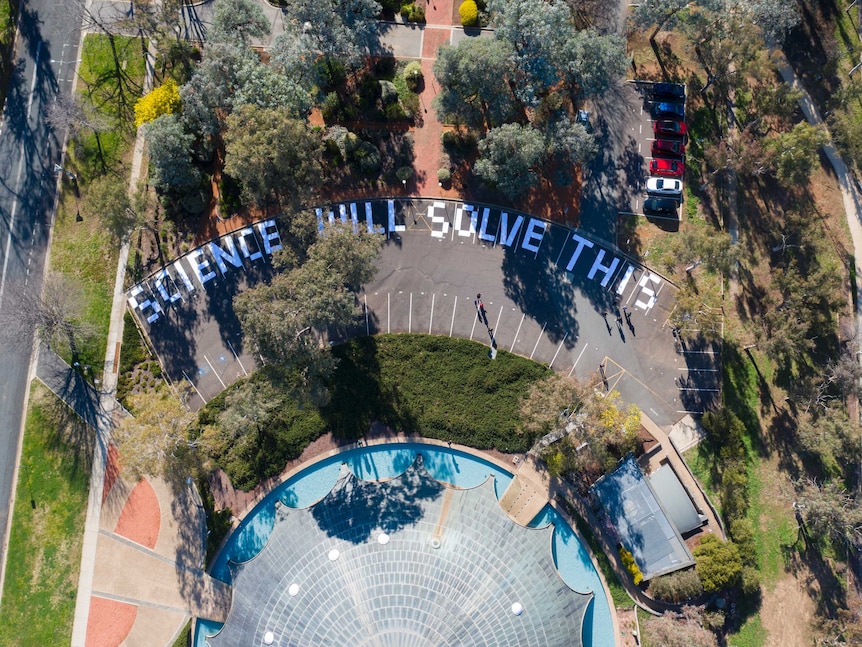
{"x":220,"y":255}
{"x":243,"y":244}
{"x":392,"y":225}
{"x":268,"y":236}
{"x":582,"y":242}
{"x":438,"y":220}
{"x":200,"y":266}
{"x":607,"y":270}
{"x":483,"y":230}
{"x":506,"y":238}
{"x":144,"y":305}
{"x":159,"y":284}
{"x":532,"y":238}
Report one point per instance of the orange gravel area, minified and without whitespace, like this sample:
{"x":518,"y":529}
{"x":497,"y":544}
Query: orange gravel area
{"x":141,"y":516}
{"x":109,"y":622}
{"x":112,"y":470}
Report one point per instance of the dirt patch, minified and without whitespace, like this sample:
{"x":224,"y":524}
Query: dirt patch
{"x":787,"y":612}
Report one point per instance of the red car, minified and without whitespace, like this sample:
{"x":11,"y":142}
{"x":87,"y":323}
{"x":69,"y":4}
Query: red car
{"x":669,"y":127}
{"x":667,"y":147}
{"x":661,"y":166}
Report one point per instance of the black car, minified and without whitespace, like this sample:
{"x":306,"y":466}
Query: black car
{"x":662,"y":206}
{"x":670,"y":90}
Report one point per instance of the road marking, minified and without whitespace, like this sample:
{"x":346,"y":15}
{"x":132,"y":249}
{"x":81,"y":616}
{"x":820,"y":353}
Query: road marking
{"x":578,"y":360}
{"x":474,"y":325}
{"x":497,"y":325}
{"x":245,"y":372}
{"x":388,"y":312}
{"x":431,"y":321}
{"x":410,"y":315}
{"x":538,"y":339}
{"x":551,"y":365}
{"x":200,"y":395}
{"x":452,"y":325}
{"x":367,"y":327}
{"x":18,"y":179}
{"x":517,"y":332}
{"x":696,"y":370}
{"x":215,"y":372}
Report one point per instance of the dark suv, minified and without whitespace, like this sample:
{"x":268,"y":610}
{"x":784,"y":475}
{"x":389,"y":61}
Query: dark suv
{"x":669,"y":90}
{"x":662,"y":206}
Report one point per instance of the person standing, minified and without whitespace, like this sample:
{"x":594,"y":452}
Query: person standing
{"x":480,"y":310}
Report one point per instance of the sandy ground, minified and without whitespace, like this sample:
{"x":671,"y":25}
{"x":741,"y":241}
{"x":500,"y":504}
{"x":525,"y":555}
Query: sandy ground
{"x":787,"y":613}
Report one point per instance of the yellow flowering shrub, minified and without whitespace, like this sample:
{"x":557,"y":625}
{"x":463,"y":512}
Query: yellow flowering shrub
{"x":163,"y":100}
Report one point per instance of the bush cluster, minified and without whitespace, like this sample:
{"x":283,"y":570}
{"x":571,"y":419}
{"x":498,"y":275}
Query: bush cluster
{"x":676,"y":587}
{"x":631,"y":565}
{"x":469,"y":13}
{"x":413,"y":76}
{"x":413,"y":13}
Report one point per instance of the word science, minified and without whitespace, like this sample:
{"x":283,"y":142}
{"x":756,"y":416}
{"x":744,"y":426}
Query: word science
{"x":570,"y":251}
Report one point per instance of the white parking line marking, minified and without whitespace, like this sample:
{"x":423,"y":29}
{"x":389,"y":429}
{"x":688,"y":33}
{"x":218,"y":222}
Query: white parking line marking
{"x":431,"y":321}
{"x":410,"y":315}
{"x":538,"y":339}
{"x":497,"y":325}
{"x":517,"y":332}
{"x":388,"y":312}
{"x":215,"y":372}
{"x":452,"y":325}
{"x":551,"y":365}
{"x":245,"y":372}
{"x":367,"y":328}
{"x":583,"y":350}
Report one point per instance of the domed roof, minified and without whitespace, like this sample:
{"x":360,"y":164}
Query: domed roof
{"x":405,"y":562}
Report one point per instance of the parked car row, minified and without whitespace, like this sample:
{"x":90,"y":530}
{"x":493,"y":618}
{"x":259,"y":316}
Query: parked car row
{"x":668,"y":149}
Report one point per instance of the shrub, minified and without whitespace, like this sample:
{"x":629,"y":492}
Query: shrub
{"x":631,"y":565}
{"x":713,"y":620}
{"x":404,"y":173}
{"x":329,"y":107}
{"x":676,"y":587}
{"x":413,"y":76}
{"x":469,"y":13}
{"x":164,"y":100}
{"x":394,"y":112}
{"x":718,"y":564}
{"x":388,"y":92}
{"x":443,"y":175}
{"x":415,"y":13}
{"x":410,"y":103}
{"x":368,"y":157}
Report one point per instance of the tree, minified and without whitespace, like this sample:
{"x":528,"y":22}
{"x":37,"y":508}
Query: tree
{"x":683,"y":629}
{"x":596,"y":61}
{"x":344,"y":31}
{"x":288,"y":319}
{"x":473,"y":83}
{"x":67,"y":114}
{"x":718,"y":564}
{"x":163,"y":100}
{"x":170,"y":147}
{"x":830,"y":512}
{"x":238,"y":21}
{"x":274,"y":156}
{"x":544,"y":43}
{"x":774,"y":17}
{"x":510,"y":157}
{"x":795,"y":153}
{"x":155,"y":441}
{"x":570,"y":142}
{"x":262,"y":86}
{"x":666,"y":13}
{"x":585,"y":432}
{"x":108,"y":200}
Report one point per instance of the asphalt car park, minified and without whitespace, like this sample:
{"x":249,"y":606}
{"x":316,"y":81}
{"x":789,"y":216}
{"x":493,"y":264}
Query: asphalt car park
{"x":660,"y":136}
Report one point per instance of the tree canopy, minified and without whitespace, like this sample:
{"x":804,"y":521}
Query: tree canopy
{"x":718,"y":564}
{"x":276,"y":158}
{"x":288,"y":319}
{"x":238,"y":20}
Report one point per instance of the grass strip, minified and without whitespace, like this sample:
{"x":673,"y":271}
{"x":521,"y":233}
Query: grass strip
{"x":44,"y":554}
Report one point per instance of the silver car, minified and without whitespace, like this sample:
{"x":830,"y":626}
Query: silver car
{"x":664,"y":186}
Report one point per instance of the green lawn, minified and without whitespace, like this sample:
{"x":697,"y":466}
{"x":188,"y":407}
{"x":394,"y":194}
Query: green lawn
{"x":752,"y":634}
{"x":44,"y":553}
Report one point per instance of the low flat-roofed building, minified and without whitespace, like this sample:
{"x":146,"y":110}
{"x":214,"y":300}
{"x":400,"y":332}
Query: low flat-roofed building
{"x":642,"y":524}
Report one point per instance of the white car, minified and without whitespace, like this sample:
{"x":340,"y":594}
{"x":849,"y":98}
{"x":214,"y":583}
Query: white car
{"x":664,"y":186}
